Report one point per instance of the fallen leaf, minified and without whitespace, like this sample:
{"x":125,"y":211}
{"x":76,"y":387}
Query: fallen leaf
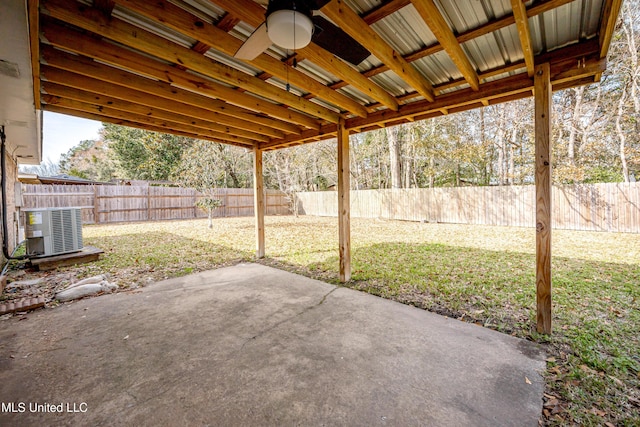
{"x":551,"y":359}
{"x":587,"y":369}
{"x":608,"y":424}
{"x":616,"y":380}
{"x":527,"y":380}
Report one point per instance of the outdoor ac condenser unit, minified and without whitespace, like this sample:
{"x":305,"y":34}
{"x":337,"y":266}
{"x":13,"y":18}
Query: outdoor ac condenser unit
{"x":53,"y":231}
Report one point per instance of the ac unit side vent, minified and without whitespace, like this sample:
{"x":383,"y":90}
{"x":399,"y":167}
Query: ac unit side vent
{"x":57,"y":231}
{"x":78,"y":228}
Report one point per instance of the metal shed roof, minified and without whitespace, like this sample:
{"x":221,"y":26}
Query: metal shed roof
{"x":168,"y":65}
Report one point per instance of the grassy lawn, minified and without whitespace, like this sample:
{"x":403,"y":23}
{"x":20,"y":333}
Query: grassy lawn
{"x":477,"y":274}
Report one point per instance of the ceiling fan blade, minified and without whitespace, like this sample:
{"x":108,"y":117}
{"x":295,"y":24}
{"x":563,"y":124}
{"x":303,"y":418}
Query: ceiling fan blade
{"x":332,"y":38}
{"x":257,"y":43}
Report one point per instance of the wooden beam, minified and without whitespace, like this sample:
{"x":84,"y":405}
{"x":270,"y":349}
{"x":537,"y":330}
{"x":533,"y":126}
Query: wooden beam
{"x":542,"y":84}
{"x":344,"y":207}
{"x":325,"y":131}
{"x":103,"y":100}
{"x":436,"y":22}
{"x":83,"y":73}
{"x":349,"y":75}
{"x":610,"y":12}
{"x":90,"y":116}
{"x":186,"y":23}
{"x":104,"y":93}
{"x":90,"y":19}
{"x":34,"y":45}
{"x":383,"y":10}
{"x":128,"y":111}
{"x":245,"y":105}
{"x":351,"y":23}
{"x":158,"y":123}
{"x":522,"y":23}
{"x":258,"y":201}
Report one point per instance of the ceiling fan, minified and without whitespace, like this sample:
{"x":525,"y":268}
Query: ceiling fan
{"x":291,"y":24}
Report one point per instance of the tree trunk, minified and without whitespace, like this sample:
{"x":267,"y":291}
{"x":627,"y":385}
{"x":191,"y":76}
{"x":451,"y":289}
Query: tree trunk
{"x":573,"y":126}
{"x":621,"y":136}
{"x":210,"y":218}
{"x":395,"y":159}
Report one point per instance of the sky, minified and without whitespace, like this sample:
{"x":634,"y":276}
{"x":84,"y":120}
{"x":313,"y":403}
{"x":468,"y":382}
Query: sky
{"x":62,"y":132}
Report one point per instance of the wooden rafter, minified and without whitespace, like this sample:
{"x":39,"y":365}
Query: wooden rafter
{"x":140,"y":64}
{"x":352,"y":24}
{"x":92,"y":91}
{"x":209,"y":34}
{"x":610,"y":11}
{"x":522,"y":23}
{"x":92,"y":74}
{"x":144,"y":119}
{"x":436,"y":22}
{"x":97,"y":102}
{"x":89,"y":19}
{"x":383,"y":10}
{"x":128,"y":123}
{"x":34,"y":46}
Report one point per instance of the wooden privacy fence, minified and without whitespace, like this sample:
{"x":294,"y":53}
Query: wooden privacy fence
{"x":595,"y":207}
{"x":111,"y":203}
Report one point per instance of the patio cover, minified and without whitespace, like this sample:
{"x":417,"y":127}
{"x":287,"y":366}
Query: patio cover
{"x":168,"y":66}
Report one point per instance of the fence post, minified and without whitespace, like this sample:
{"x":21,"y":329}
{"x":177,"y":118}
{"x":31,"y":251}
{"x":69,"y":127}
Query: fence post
{"x":96,"y":205}
{"x":194,"y":200}
{"x":149,"y":203}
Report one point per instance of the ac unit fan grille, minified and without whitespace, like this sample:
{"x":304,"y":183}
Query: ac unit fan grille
{"x":66,"y":237}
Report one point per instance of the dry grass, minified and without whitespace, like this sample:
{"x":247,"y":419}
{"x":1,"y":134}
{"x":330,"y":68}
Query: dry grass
{"x":475,"y":273}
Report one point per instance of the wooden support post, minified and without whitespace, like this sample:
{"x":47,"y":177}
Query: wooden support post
{"x":344,"y":208}
{"x":542,"y":90}
{"x":258,"y":201}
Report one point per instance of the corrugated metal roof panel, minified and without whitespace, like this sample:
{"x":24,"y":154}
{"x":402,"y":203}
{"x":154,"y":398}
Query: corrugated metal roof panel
{"x":396,"y":31}
{"x":354,"y":93}
{"x":485,"y":52}
{"x":415,"y":22}
{"x":463,"y":15}
{"x":203,"y":9}
{"x":508,"y":39}
{"x":316,"y":72}
{"x":393,"y":84}
{"x":438,"y":68}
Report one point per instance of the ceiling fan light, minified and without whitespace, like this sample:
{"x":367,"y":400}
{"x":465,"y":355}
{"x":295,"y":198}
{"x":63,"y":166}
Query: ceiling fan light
{"x":289,"y":29}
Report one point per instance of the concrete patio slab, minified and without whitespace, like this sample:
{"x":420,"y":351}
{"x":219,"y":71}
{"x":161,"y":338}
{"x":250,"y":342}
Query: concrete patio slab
{"x":252,"y":345}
